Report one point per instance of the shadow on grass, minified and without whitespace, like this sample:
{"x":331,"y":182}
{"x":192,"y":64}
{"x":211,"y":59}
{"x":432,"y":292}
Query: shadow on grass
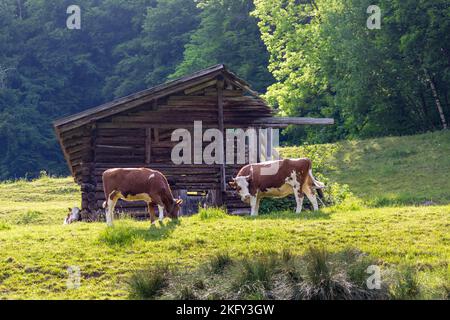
{"x":124,"y":233}
{"x":290,"y":215}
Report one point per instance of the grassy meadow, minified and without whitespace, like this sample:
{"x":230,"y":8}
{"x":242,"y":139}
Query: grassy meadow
{"x":399,"y":214}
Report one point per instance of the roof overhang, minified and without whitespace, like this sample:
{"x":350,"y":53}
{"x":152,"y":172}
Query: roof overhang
{"x":148,"y":95}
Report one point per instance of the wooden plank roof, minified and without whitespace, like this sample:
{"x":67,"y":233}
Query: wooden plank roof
{"x":139,"y":98}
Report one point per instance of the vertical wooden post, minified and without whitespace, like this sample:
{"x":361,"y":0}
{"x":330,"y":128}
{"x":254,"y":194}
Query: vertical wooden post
{"x":148,"y":145}
{"x":89,"y":197}
{"x":269,"y":143}
{"x":156,"y":132}
{"x":258,"y":145}
{"x":220,"y":86}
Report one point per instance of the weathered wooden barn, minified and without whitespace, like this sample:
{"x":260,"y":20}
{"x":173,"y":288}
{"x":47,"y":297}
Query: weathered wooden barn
{"x":135,"y":131}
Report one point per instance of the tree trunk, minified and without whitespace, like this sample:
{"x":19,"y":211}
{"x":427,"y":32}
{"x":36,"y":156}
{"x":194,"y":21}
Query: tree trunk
{"x":436,"y":99}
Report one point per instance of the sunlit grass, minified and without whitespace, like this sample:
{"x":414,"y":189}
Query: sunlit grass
{"x":383,"y":219}
{"x":34,"y":258}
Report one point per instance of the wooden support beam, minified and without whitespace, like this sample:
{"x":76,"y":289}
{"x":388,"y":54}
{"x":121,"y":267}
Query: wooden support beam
{"x":156,"y":135}
{"x":269,"y":143}
{"x":148,"y":145}
{"x":220,"y":85}
{"x":200,"y":86}
{"x":285,"y":121}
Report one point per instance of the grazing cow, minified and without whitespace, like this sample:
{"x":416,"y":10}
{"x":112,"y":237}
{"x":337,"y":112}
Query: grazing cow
{"x":139,"y":185}
{"x":290,"y":176}
{"x":73,"y":215}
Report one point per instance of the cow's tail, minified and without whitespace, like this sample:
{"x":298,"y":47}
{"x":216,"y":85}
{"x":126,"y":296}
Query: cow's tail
{"x":319,"y":186}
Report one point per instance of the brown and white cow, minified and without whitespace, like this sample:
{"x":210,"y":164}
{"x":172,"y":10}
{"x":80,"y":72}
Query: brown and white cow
{"x":140,"y":184}
{"x":277,"y":179}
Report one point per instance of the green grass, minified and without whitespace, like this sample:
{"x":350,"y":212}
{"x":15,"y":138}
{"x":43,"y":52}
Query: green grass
{"x":36,"y":250}
{"x":43,"y":201}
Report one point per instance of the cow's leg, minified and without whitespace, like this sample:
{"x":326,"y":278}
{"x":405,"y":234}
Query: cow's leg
{"x":299,"y":196}
{"x":312,"y":198}
{"x":151,"y":210}
{"x":258,"y":201}
{"x":161,"y":212}
{"x":110,"y":212}
{"x":254,"y":203}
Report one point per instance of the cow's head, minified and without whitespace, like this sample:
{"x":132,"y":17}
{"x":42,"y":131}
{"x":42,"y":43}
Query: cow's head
{"x":241,"y":185}
{"x":173,"y":214}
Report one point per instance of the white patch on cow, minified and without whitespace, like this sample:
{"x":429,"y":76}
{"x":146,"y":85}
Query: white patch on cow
{"x":292,"y":180}
{"x":296,"y":189}
{"x":161,"y":212}
{"x":242,"y":182}
{"x":151,"y":176}
{"x":299,"y":200}
{"x":312,"y":197}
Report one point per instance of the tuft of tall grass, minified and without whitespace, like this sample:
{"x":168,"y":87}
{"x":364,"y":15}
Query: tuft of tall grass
{"x":147,"y":284}
{"x":318,"y":266}
{"x":406,"y":284}
{"x":212,"y":213}
{"x":219,"y":262}
{"x":186,"y":293}
{"x":253,"y":277}
{"x":119,"y":235}
{"x":328,"y":277}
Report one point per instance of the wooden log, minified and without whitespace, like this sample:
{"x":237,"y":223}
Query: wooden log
{"x":294,"y":121}
{"x":201,"y":86}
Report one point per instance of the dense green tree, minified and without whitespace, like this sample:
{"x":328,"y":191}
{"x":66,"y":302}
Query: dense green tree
{"x":149,"y":58}
{"x":52,"y":71}
{"x":374,"y":82}
{"x":228,"y":34}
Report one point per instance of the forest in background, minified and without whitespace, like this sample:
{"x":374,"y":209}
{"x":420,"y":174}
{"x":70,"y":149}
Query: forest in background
{"x":308,"y":57}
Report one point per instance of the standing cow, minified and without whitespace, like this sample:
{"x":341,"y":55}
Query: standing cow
{"x":141,"y":184}
{"x":277,"y":179}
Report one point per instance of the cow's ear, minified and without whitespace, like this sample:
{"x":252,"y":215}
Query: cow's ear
{"x":248,"y":178}
{"x":70,"y":209}
{"x":232,"y":183}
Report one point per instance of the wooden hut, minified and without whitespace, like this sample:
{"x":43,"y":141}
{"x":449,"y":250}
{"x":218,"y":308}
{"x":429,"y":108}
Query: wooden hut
{"x":135,"y":131}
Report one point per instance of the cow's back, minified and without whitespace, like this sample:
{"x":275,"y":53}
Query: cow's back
{"x":132,"y":181}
